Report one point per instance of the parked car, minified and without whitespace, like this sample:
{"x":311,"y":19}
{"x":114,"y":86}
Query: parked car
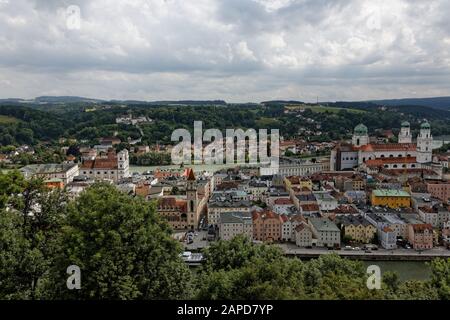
{"x":348,"y":248}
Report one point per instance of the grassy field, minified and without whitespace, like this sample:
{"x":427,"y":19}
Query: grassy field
{"x":6,"y":119}
{"x":322,"y":109}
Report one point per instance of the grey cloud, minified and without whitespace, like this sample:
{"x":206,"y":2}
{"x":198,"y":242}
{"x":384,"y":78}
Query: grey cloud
{"x":233,"y":49}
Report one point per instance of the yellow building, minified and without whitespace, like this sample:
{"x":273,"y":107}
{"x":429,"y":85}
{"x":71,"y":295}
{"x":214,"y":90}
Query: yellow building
{"x":358,"y":229}
{"x":391,"y":198}
{"x":299,"y":182}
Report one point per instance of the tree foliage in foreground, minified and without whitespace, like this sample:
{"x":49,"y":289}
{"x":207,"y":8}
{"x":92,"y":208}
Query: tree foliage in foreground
{"x":238,"y":269}
{"x":125,"y":251}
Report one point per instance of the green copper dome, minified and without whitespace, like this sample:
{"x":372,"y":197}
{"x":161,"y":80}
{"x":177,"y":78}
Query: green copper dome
{"x":425,"y":125}
{"x":361,"y":130}
{"x":405,"y":124}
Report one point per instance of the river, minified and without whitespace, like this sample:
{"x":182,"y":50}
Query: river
{"x":407,"y":270}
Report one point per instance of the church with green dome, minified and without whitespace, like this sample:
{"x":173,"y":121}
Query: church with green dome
{"x":362,"y":153}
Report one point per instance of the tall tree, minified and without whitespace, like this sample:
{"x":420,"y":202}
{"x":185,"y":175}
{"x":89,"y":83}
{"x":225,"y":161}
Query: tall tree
{"x":29,"y":229}
{"x":122,"y":247}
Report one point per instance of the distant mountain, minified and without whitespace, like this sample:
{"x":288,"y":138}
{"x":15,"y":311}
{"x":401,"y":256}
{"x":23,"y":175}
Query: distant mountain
{"x":179,"y":102}
{"x":65,"y":99}
{"x":75,"y":99}
{"x":442,"y":103}
{"x":50,"y":100}
{"x":15,"y":101}
{"x":282,"y":102}
{"x":421,"y":111}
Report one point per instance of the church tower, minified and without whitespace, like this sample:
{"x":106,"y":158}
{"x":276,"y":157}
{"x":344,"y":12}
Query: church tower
{"x":424,"y":144}
{"x":405,"y":133}
{"x":360,"y":136}
{"x":191,"y":198}
{"x":123,"y":164}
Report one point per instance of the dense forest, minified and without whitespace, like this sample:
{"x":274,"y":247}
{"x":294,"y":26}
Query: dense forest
{"x":35,"y":124}
{"x":125,"y":251}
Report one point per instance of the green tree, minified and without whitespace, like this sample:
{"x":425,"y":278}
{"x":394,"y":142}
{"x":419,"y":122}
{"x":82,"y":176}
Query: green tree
{"x":123,"y":248}
{"x":440,"y":277}
{"x":236,"y":253}
{"x":29,"y":229}
{"x":417,"y":290}
{"x":391,"y":280}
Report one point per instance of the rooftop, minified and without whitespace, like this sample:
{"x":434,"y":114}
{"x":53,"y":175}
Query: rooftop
{"x":236,"y":217}
{"x":47,"y":168}
{"x":390,"y":193}
{"x":323,"y":224}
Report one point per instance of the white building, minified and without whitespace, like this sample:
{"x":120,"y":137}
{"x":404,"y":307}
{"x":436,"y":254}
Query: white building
{"x":111,"y":166}
{"x":303,"y":235}
{"x":325,"y":201}
{"x":233,"y":224}
{"x":65,"y":172}
{"x":325,"y":231}
{"x":289,"y":225}
{"x":387,"y":237}
{"x":407,"y":154}
{"x":222,"y":202}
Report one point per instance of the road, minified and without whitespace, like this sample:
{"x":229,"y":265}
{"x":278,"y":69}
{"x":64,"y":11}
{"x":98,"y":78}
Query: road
{"x":292,"y":249}
{"x":199,"y":243}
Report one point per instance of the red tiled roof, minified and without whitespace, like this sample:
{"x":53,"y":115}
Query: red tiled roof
{"x":383,"y":161}
{"x":422,"y":227}
{"x":389,"y":147}
{"x":266,"y":214}
{"x":99,"y":164}
{"x":189,"y":173}
{"x":283,"y":201}
{"x":309,"y":207}
{"x":172,"y":202}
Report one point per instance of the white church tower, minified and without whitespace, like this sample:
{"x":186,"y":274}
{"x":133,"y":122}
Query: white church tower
{"x":405,"y":133}
{"x":360,"y":136}
{"x":424,"y":144}
{"x":123,"y":164}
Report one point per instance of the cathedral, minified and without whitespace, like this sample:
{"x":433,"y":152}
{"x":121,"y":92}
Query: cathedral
{"x":405,"y":154}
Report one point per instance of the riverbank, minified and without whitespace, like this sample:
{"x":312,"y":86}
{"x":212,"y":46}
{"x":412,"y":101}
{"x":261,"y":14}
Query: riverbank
{"x":376,"y":255}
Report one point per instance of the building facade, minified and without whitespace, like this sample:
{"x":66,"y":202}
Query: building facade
{"x":361,"y":150}
{"x":266,"y":226}
{"x":63,"y":172}
{"x":391,"y":198}
{"x":109,"y":166}
{"x":233,"y":224}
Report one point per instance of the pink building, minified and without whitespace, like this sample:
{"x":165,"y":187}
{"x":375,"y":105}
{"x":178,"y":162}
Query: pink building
{"x":440,"y":190}
{"x":420,"y":236}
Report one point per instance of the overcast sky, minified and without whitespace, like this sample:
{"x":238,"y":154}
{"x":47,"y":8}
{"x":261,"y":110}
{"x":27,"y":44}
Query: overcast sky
{"x":237,"y":50}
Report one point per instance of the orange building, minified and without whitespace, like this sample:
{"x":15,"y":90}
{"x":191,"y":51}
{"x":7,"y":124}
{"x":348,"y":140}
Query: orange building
{"x":266,"y":226}
{"x":54,"y":183}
